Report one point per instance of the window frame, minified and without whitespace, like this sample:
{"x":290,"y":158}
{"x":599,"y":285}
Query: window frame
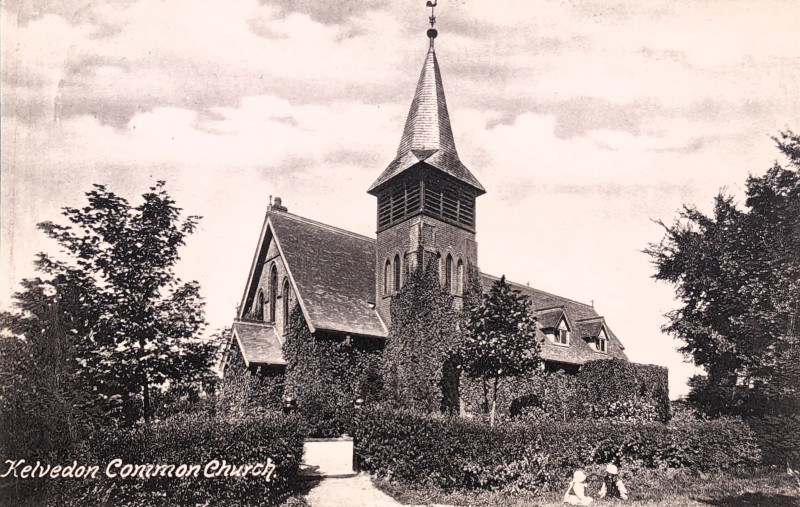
{"x":285,"y":292}
{"x":273,"y":292}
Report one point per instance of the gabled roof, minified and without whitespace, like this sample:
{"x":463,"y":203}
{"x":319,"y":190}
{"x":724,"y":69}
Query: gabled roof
{"x":331,"y":270}
{"x":550,"y":317}
{"x":428,"y":136}
{"x":590,"y":328}
{"x":259,"y":343}
{"x":578,"y":351}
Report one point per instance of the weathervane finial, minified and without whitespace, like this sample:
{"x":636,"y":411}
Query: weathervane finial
{"x":432,"y":33}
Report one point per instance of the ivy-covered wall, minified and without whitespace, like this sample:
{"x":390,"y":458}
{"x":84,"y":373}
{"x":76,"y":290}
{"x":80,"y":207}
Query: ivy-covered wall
{"x":607,"y":388}
{"x":326,"y":373}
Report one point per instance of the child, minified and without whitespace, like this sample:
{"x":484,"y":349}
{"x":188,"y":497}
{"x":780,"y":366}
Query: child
{"x":613,"y":487}
{"x":578,"y":489}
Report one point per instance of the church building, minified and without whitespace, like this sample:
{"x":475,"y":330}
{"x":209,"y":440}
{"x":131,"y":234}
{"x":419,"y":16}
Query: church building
{"x":344,"y":282}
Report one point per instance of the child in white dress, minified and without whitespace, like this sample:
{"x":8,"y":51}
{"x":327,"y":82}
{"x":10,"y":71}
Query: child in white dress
{"x":576,"y":492}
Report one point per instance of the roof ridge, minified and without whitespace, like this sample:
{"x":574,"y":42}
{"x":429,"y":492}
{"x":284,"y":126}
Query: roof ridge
{"x":526,"y":287}
{"x":599,"y":317}
{"x":326,"y":226}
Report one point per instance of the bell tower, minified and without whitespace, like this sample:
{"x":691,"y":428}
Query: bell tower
{"x":426,"y":196}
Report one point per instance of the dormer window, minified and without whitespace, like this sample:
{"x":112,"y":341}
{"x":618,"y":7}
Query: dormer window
{"x":601,"y":344}
{"x":561,"y":336}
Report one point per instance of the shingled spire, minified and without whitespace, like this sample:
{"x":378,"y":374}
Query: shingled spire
{"x":428,"y":136}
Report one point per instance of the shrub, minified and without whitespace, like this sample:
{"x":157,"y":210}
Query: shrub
{"x":445,"y":452}
{"x":777,"y":435}
{"x":453,"y":453}
{"x":193,"y":439}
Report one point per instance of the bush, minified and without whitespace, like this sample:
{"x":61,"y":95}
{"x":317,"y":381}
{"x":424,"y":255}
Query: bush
{"x":777,"y":435}
{"x":452,"y":453}
{"x":195,"y":439}
{"x":422,"y":340}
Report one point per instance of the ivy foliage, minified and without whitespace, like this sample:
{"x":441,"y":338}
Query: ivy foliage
{"x":500,"y":340}
{"x":609,"y":389}
{"x":422,"y":341}
{"x":325,"y":374}
{"x":623,"y":390}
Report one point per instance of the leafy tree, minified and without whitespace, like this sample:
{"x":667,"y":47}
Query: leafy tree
{"x":736,"y":273}
{"x":133,"y":324}
{"x":500,"y":340}
{"x":419,"y":362}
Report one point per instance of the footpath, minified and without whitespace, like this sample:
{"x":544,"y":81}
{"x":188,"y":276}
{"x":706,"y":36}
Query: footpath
{"x":356,"y":491}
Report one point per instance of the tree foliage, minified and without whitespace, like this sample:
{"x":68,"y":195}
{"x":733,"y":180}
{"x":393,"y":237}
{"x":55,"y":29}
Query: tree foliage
{"x":133,"y":325}
{"x":500,"y":340}
{"x":45,"y":408}
{"x":419,"y":361}
{"x":736,"y":273}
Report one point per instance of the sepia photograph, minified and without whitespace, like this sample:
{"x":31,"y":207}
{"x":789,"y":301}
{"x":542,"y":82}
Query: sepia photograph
{"x":418,"y":252}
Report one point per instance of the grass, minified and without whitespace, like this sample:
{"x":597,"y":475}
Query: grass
{"x":671,"y":488}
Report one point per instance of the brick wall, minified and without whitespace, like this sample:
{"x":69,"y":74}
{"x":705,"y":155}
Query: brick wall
{"x":267,"y":259}
{"x":403,"y":239}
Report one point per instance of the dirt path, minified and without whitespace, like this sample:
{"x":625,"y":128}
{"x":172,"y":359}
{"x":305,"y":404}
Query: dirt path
{"x":355,"y":491}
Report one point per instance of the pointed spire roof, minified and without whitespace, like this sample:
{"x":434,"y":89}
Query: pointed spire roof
{"x":428,"y":136}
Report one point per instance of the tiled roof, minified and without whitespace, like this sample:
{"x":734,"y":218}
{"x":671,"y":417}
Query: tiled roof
{"x":259,"y":343}
{"x":334,"y":271}
{"x":579,"y":350}
{"x":590,"y":328}
{"x":428,"y":136}
{"x":549,"y":318}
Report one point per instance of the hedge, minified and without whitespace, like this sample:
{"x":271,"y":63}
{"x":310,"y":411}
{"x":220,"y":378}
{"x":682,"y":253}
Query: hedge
{"x":615,"y":387}
{"x":606,"y":388}
{"x":195,"y":439}
{"x":453,"y":453}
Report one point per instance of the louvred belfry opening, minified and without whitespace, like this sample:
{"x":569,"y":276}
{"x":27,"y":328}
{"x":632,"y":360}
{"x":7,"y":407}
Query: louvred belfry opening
{"x":427,"y":175}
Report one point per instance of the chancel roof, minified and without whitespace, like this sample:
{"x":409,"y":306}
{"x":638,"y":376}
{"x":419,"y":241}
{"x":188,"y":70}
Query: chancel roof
{"x":549,"y":308}
{"x":428,"y":135}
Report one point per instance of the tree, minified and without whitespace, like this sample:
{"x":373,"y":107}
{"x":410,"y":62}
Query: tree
{"x":500,"y":340}
{"x":736,"y":273}
{"x":419,"y":360}
{"x":133,"y":324}
{"x":42,"y":402}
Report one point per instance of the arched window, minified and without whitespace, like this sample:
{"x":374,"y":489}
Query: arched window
{"x":448,"y":273}
{"x":285,"y":296}
{"x":387,"y":277}
{"x":460,"y":277}
{"x":396,"y":273}
{"x":273,"y":292}
{"x":258,"y":311}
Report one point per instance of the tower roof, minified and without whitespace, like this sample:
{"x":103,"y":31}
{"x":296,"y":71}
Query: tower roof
{"x":428,"y":136}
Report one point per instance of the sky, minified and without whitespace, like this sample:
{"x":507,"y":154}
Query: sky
{"x":586,"y":122}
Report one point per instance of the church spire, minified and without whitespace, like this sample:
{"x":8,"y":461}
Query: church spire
{"x":428,"y":136}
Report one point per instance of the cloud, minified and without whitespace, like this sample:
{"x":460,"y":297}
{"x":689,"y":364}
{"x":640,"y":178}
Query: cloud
{"x":584,"y":121}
